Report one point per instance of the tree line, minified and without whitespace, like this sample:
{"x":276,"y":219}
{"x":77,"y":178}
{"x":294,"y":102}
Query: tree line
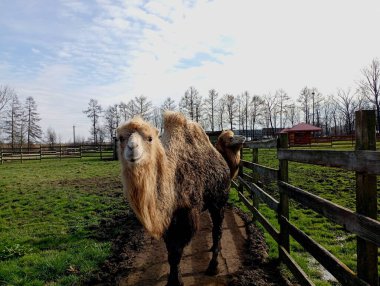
{"x":19,"y":123}
{"x":246,"y":112}
{"x":334,"y":113}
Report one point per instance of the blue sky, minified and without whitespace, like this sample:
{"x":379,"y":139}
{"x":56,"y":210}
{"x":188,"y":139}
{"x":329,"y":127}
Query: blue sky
{"x":65,"y":52}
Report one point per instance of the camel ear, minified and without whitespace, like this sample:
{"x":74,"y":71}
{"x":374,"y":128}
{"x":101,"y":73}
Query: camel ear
{"x":157,"y":131}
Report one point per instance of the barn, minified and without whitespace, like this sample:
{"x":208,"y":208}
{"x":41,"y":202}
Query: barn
{"x":301,"y":133}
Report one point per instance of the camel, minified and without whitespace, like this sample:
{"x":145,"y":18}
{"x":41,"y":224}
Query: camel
{"x":229,"y":145}
{"x":169,"y":181}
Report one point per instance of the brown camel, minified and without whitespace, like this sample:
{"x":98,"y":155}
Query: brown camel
{"x":169,"y":181}
{"x":229,"y":145}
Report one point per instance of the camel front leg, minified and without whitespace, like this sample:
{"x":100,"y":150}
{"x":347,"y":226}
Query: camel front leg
{"x":174,"y":258}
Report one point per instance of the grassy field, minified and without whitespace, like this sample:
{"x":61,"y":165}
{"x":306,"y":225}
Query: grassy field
{"x":49,"y":217}
{"x":333,"y":184}
{"x":50,"y":213}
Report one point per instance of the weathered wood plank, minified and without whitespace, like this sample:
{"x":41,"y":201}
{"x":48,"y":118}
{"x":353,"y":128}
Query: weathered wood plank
{"x":360,"y":161}
{"x":367,"y":228}
{"x":246,"y":177}
{"x":338,"y":269}
{"x":295,"y":268}
{"x":260,"y":218}
{"x":263,"y":171}
{"x":271,"y":143}
{"x":266,"y":198}
{"x":366,"y":196}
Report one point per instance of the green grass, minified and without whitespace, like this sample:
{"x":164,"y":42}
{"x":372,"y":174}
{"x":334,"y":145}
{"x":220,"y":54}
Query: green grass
{"x":333,"y":184}
{"x":49,"y":213}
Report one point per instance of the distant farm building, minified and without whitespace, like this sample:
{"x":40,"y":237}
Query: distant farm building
{"x":301,"y":134}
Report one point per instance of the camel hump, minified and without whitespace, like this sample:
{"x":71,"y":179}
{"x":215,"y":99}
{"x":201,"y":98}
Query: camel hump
{"x":173,"y":120}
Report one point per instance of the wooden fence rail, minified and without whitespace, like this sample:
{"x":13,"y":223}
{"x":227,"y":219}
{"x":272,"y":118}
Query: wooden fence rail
{"x":365,"y":161}
{"x":42,"y":152}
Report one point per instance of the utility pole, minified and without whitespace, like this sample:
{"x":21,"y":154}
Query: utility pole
{"x":74,"y":134}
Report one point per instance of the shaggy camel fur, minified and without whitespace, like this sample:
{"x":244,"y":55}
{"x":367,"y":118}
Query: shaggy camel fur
{"x":229,"y":145}
{"x":168,"y":182}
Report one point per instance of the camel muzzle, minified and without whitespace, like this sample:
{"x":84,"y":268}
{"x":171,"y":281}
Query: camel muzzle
{"x":238,"y":139}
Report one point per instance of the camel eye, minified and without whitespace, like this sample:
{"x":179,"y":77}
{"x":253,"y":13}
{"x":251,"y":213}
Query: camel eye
{"x":121,"y":139}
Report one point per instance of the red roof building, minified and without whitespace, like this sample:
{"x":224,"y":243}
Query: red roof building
{"x":300,"y":134}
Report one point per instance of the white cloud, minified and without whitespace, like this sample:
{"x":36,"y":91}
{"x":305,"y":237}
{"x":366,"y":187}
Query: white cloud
{"x":115,"y":50}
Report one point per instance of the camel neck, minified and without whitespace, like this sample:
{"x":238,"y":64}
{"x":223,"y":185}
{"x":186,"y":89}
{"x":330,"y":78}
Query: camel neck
{"x":151,"y":193}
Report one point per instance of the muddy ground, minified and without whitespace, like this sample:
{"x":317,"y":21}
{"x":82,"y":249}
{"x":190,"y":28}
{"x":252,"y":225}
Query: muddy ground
{"x":139,"y":260}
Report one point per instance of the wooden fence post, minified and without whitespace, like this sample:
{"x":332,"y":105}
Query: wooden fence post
{"x":114,"y":149}
{"x":255,"y":177}
{"x":40,"y":152}
{"x":283,"y":210}
{"x":366,"y":197}
{"x":21,"y":153}
{"x":240,"y":187}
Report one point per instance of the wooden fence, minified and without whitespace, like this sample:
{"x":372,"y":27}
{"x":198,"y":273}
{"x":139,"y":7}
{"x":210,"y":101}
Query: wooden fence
{"x":43,"y":152}
{"x":365,"y":161}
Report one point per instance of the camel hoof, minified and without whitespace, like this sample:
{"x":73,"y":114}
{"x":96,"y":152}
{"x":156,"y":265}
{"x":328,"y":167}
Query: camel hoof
{"x":175,"y":284}
{"x":175,"y":281}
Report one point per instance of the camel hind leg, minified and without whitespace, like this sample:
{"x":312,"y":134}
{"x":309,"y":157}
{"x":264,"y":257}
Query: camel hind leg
{"x":217,"y":216}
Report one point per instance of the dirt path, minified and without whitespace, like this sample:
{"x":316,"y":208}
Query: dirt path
{"x":151,"y":267}
{"x":139,"y":260}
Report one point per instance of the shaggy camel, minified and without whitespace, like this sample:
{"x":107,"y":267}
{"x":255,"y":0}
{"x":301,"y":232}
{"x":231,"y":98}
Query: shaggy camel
{"x":229,"y":145}
{"x":168,"y":182}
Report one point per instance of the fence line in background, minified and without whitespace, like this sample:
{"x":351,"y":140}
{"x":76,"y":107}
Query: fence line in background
{"x":43,"y":152}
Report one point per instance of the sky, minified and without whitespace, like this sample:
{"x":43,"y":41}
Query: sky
{"x":65,"y":52}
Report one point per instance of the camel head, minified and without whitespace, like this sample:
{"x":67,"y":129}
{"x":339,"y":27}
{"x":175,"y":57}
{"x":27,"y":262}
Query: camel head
{"x":228,"y":140}
{"x":229,"y":145}
{"x":136,"y":141}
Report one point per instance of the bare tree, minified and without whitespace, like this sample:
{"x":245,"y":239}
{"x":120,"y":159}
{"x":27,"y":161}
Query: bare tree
{"x":370,"y":85}
{"x":270,"y":111}
{"x":157,"y":118}
{"x":304,"y":99}
{"x":292,"y":114}
{"x":327,"y":115}
{"x":239,"y":111}
{"x":190,"y":104}
{"x":316,"y":103}
{"x":6,"y":95}
{"x":51,"y":137}
{"x":245,"y":101}
{"x":112,"y":120}
{"x":93,"y":112}
{"x":231,"y":108}
{"x":255,"y":108}
{"x":32,"y":118}
{"x":282,"y":100}
{"x":211,"y":104}
{"x":334,"y":113}
{"x":221,"y":109}
{"x":347,"y":105}
{"x":123,"y":111}
{"x":13,"y":122}
{"x":169,"y":104}
{"x":143,"y":107}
